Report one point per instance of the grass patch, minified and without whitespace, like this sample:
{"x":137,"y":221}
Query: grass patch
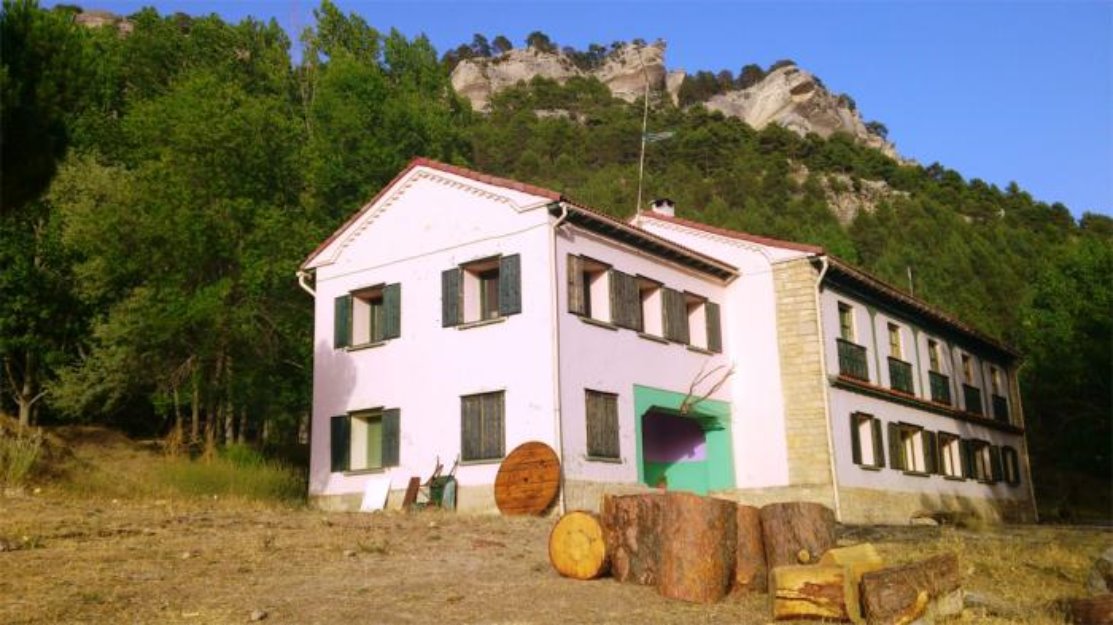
{"x":230,"y":476}
{"x":19,"y":452}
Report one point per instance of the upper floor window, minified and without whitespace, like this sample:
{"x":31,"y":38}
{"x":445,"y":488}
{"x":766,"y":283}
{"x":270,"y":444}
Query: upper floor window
{"x":894,"y":341}
{"x":589,"y":288}
{"x":367,"y":316}
{"x":933,"y":356}
{"x":846,"y":322}
{"x":995,"y":380}
{"x":967,"y":369}
{"x":649,"y":292}
{"x":482,"y":290}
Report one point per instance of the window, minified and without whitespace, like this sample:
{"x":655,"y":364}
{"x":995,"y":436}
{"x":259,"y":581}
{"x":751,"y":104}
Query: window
{"x":674,"y":313}
{"x":967,"y":369}
{"x":995,"y":380}
{"x":1010,"y":465}
{"x":979,"y":460}
{"x":950,"y":455}
{"x":867,"y":448}
{"x":697,"y":320}
{"x":481,"y":291}
{"x":588,"y":288}
{"x":846,"y":322}
{"x":911,"y":448}
{"x":368,"y":316}
{"x":625,"y":301}
{"x":481,"y":427}
{"x":365,"y":440}
{"x":649,"y":291}
{"x":602,"y":425}
{"x":894,"y":341}
{"x":933,"y":356}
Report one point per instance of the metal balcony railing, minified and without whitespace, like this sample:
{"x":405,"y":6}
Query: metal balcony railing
{"x":940,"y":387}
{"x":852,"y":360}
{"x":972,"y":398}
{"x":1000,"y":408}
{"x":900,"y":376}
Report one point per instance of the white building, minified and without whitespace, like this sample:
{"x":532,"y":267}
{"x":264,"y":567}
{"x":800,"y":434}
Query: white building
{"x":459,"y":315}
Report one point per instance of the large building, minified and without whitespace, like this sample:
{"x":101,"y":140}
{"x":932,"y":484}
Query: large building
{"x":459,"y":315}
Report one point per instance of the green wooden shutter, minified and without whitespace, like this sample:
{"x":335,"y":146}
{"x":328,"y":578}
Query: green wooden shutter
{"x":714,"y":328}
{"x":470,"y":428}
{"x":510,"y":285}
{"x":341,"y":442}
{"x":878,"y":444}
{"x":931,"y":452}
{"x":1012,"y":474}
{"x":966,"y":458}
{"x":626,"y":309}
{"x":392,"y":311}
{"x":896,"y":448}
{"x":996,"y":471}
{"x":855,"y":439}
{"x":493,"y":429}
{"x":342,"y":322}
{"x":577,"y":304}
{"x":675,"y":313}
{"x":392,"y":436}
{"x":451,"y":294}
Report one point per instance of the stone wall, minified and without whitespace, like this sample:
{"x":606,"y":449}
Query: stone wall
{"x":474,"y":499}
{"x":802,"y":378}
{"x":865,"y":506}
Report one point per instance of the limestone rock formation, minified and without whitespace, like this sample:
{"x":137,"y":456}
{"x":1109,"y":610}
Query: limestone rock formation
{"x":796,"y":100}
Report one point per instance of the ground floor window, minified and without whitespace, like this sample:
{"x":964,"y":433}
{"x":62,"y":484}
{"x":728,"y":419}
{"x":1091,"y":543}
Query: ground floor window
{"x":911,"y":448}
{"x":602,"y":425}
{"x":865,"y":438}
{"x":1011,"y":466}
{"x":950,"y":455}
{"x":482,"y":429}
{"x":984,"y":460}
{"x":365,"y":440}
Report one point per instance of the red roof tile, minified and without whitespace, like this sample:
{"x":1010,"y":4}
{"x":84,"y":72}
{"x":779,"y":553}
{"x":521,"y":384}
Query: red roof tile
{"x":736,"y":234}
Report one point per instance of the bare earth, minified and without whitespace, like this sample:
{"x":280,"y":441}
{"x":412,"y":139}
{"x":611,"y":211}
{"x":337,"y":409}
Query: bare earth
{"x":66,"y":558}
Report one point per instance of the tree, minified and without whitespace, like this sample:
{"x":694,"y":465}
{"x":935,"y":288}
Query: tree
{"x":479,"y":46}
{"x":501,"y":44}
{"x":877,"y":128}
{"x":750,"y":75}
{"x":540,"y":41}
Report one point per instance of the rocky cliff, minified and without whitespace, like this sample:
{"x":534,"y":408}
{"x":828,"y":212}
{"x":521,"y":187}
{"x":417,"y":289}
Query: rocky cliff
{"x":788,"y":96}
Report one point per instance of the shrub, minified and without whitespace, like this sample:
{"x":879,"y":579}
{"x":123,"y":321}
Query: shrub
{"x":18,"y":454}
{"x":243,"y":474}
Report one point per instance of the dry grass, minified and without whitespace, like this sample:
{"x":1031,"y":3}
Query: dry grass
{"x":89,"y":556}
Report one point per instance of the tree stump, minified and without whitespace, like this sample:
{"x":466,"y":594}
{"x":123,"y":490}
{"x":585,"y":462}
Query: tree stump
{"x":901,"y":594}
{"x":750,"y":572}
{"x":857,"y":560}
{"x":697,"y":548}
{"x":1092,"y":610}
{"x":632,"y":533}
{"x":796,"y":532}
{"x":576,"y":547}
{"x":812,"y":592}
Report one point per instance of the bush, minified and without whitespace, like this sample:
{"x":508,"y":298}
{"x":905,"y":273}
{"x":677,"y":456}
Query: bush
{"x":238,"y":472}
{"x":18,"y":454}
{"x":243,"y":455}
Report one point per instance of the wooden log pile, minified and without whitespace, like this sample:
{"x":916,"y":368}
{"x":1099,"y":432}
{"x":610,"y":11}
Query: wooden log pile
{"x":700,"y":549}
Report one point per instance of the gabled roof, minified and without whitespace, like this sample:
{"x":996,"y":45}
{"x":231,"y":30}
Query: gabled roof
{"x":844,"y":273}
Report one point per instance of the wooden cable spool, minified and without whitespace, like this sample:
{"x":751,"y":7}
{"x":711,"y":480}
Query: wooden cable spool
{"x":528,"y":480}
{"x":576,"y":546}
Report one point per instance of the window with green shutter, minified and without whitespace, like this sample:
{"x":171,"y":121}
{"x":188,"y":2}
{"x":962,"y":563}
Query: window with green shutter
{"x":368,"y":315}
{"x":625,"y":301}
{"x":342,"y":322}
{"x":674,"y":314}
{"x":714,"y":328}
{"x":339,"y":442}
{"x":1010,"y":462}
{"x":483,"y":290}
{"x":482,"y":427}
{"x":366,"y":440}
{"x":867,"y":448}
{"x":602,"y":425}
{"x":949,"y":461}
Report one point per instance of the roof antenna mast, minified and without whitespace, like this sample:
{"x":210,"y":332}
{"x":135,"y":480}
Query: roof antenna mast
{"x":645,"y":124}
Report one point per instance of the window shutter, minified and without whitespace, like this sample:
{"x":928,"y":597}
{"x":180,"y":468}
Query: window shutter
{"x":675,"y":313}
{"x":855,"y":438}
{"x":878,"y":444}
{"x":997,"y":473}
{"x":576,"y":303}
{"x":896,"y":451}
{"x":493,"y":425}
{"x":470,"y":427}
{"x":714,"y":328}
{"x":341,"y":442}
{"x":392,"y":311}
{"x":931,"y":451}
{"x":342,"y":322}
{"x":1012,"y":474}
{"x":451,"y":294}
{"x":610,"y":431}
{"x":510,"y":285}
{"x":966,"y":458}
{"x":392,"y":436}
{"x":626,"y":309}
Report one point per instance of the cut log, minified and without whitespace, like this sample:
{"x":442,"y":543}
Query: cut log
{"x":857,"y":560}
{"x":697,"y":548}
{"x":820,"y":591}
{"x":632,"y":533}
{"x":789,"y":528}
{"x":1091,"y":610}
{"x":901,"y":594}
{"x":750,"y":572}
{"x":576,"y":546}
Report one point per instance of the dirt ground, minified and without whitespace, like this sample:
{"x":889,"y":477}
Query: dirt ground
{"x":66,"y":558}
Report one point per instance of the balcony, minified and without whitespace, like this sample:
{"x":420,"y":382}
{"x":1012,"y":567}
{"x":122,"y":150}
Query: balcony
{"x":852,"y":360}
{"x":972,"y":398}
{"x":940,"y":388}
{"x":900,"y":376}
{"x":1000,"y":408}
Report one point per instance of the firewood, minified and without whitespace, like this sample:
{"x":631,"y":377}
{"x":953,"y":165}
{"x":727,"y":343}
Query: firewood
{"x":576,"y":547}
{"x":697,"y":548}
{"x":1091,"y":610}
{"x":632,"y":533}
{"x":750,"y":572}
{"x":819,"y":591}
{"x":858,"y":560}
{"x":901,"y":594}
{"x":789,"y":528}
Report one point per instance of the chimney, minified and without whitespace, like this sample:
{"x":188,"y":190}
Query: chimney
{"x":664,"y":206}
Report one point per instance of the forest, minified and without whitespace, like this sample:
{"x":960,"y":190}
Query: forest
{"x":161,"y":184}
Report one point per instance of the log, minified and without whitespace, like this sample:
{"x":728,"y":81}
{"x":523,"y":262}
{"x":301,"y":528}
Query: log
{"x":901,"y":594}
{"x":750,"y":572}
{"x":632,"y":533}
{"x":796,"y":532}
{"x":697,"y":548}
{"x":1091,"y":610}
{"x":819,"y":591}
{"x":857,"y":560}
{"x":576,"y":547}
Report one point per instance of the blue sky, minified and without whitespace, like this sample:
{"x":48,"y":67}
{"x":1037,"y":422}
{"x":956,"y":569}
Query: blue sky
{"x":1000,"y":91}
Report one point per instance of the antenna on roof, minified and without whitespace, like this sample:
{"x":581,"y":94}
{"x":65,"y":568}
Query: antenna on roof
{"x":645,"y":124}
{"x":911,"y":287}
